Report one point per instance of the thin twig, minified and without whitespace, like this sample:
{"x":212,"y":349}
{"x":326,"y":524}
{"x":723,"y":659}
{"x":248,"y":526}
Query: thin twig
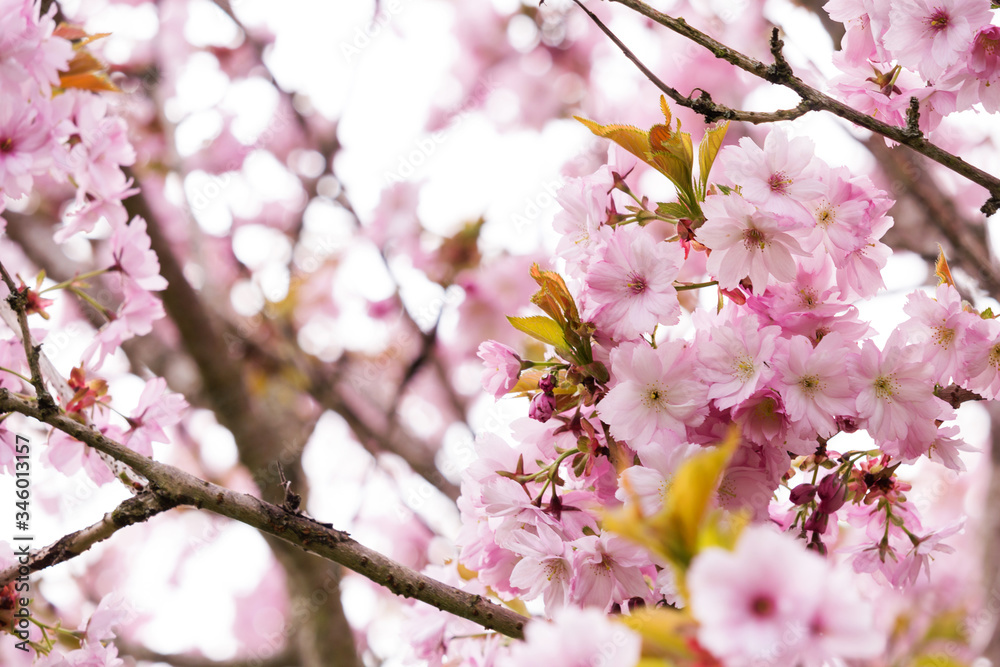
{"x":703,"y":104}
{"x":132,"y":511}
{"x":18,"y":301}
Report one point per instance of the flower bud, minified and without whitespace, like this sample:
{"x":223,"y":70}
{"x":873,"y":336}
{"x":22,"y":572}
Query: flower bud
{"x":541,"y":408}
{"x":832,"y":494}
{"x":817,"y":523}
{"x":803,"y":493}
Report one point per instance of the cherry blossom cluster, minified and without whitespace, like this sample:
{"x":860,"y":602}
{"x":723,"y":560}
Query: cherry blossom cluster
{"x":942,"y":53}
{"x":60,"y":129}
{"x":645,"y":377}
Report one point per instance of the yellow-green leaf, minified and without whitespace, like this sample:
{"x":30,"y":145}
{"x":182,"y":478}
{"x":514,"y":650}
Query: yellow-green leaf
{"x":632,"y":139}
{"x":543,"y":328}
{"x":665,"y":108}
{"x":708,"y":149}
{"x":682,"y":527}
{"x":554,"y":297}
{"x":691,"y":491}
{"x":664,"y":632}
{"x":937,"y":659}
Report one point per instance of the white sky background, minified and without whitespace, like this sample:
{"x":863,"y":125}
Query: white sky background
{"x":382,"y":97}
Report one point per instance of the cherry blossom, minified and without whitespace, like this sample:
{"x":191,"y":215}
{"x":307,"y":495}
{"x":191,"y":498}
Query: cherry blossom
{"x":894,"y":394}
{"x":813,"y":384}
{"x":932,"y":36}
{"x":130,"y":248}
{"x":747,"y":243}
{"x":760,"y":604}
{"x":502,"y":367}
{"x":576,"y":638}
{"x":631,"y":284}
{"x":780,"y":177}
{"x":657,"y":396}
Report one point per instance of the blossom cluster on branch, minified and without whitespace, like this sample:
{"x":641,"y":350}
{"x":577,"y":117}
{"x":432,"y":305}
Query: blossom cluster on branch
{"x":718,"y":458}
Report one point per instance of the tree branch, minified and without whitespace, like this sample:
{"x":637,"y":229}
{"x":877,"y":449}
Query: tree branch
{"x":133,"y":510}
{"x":284,"y":659}
{"x":173,"y":485}
{"x":703,"y":104}
{"x":18,"y":302}
{"x":780,"y":73}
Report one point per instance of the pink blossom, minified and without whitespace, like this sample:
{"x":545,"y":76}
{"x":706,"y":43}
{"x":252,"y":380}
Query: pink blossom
{"x":813,"y":383}
{"x":26,"y":146}
{"x":899,"y":560}
{"x":885,"y":95}
{"x":631,"y":284}
{"x":780,"y":177}
{"x":758,"y":605}
{"x":932,"y":35}
{"x":656,"y":397}
{"x":607,"y":569}
{"x":859,"y":271}
{"x":576,"y":638}
{"x":544,"y":568}
{"x":91,"y":654}
{"x":101,"y":144}
{"x":837,"y":213}
{"x":90,"y":208}
{"x":866,"y":21}
{"x":842,"y":625}
{"x":734,"y":359}
{"x":542,"y":407}
{"x":30,"y":57}
{"x":111,"y":611}
{"x":502,"y":367}
{"x":581,"y":222}
{"x":135,"y":317}
{"x":752,"y":477}
{"x":130,"y":248}
{"x":895,"y":392}
{"x":982,"y":358}
{"x":746,"y":242}
{"x":647,"y":484}
{"x":979,"y":81}
{"x":946,"y":447}
{"x":809,"y":306}
{"x":751,"y":603}
{"x":68,"y":455}
{"x":938,"y":328}
{"x":157,"y":410}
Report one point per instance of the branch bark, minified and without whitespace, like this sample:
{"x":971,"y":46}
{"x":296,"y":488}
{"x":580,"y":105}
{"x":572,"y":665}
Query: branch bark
{"x":176,"y":486}
{"x":134,"y":510}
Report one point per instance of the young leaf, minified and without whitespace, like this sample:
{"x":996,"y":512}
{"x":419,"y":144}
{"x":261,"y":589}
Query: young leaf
{"x":632,"y":139}
{"x":707,"y":150}
{"x":941,"y":268}
{"x":543,"y":328}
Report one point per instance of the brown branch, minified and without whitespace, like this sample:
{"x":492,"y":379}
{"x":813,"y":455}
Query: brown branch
{"x":174,"y":485}
{"x":703,"y":104}
{"x":132,"y":511}
{"x":779,"y":73}
{"x":966,"y":239}
{"x":18,"y":301}
{"x":285,"y":658}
